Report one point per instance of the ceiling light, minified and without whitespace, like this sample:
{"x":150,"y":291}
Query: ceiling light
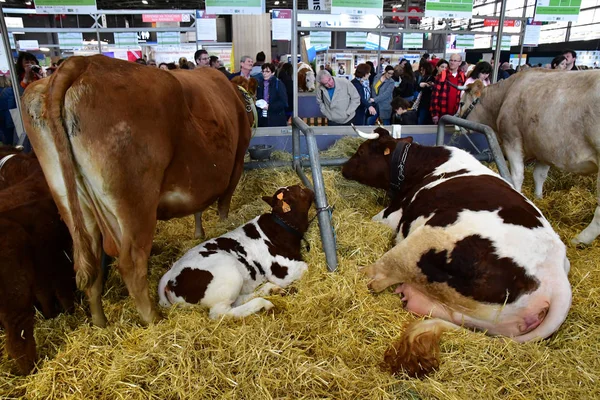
{"x":44,"y":49}
{"x":2,"y":1}
{"x":144,"y":1}
{"x":27,"y":3}
{"x":276,"y":3}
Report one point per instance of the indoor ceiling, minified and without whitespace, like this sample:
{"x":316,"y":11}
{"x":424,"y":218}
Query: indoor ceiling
{"x":183,"y":4}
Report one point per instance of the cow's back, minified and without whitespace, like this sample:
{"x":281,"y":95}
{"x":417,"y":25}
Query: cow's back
{"x":557,"y":116}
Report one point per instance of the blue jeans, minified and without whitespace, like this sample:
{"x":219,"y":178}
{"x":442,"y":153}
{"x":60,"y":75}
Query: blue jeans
{"x":424,"y":117}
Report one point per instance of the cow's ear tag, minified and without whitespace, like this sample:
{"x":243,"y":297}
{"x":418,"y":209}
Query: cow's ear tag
{"x":280,"y":196}
{"x":386,"y":151}
{"x":286,"y":207}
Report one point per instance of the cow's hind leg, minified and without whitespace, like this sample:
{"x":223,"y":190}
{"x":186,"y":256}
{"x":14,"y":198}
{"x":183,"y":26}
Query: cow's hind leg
{"x":199,"y":231}
{"x":133,"y":266}
{"x":514,"y":154}
{"x":592,"y":231}
{"x":540,"y":173}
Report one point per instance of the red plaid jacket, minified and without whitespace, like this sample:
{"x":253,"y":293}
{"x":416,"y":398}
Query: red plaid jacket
{"x":440,"y":93}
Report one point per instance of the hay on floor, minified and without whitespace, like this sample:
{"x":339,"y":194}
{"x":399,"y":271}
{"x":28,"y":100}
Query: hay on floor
{"x":324,"y":341}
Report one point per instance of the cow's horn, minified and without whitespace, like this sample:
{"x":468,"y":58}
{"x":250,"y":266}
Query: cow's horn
{"x":461,"y":87}
{"x":365,"y":135}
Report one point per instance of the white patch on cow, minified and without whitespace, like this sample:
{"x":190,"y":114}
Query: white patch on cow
{"x":231,"y":278}
{"x":391,"y":220}
{"x":175,"y":197}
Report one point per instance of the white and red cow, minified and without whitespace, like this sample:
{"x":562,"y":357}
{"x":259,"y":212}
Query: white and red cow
{"x":306,"y":78}
{"x":223,"y":273}
{"x":470,"y":250}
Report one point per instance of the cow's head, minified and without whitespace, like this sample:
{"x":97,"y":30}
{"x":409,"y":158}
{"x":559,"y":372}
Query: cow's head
{"x":370,"y":165}
{"x":310,"y":81}
{"x":470,"y":98}
{"x":291,"y":204}
{"x":250,"y":85}
{"x":306,"y":78}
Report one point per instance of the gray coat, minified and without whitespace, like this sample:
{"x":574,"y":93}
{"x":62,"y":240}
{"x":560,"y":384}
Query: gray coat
{"x":342,"y":106}
{"x":384,"y":98}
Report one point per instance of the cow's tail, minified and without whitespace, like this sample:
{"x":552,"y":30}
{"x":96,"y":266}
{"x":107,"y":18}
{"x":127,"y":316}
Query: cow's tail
{"x":560,"y":303}
{"x":417,"y":351}
{"x":86,"y":261}
{"x":163,"y":291}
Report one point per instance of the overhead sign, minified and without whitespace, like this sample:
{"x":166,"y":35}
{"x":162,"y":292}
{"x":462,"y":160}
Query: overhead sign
{"x":206,"y":26}
{"x":323,"y":5}
{"x":281,"y":24}
{"x":373,"y":42}
{"x":126,"y":39}
{"x":356,"y":39}
{"x":412,"y":40}
{"x":13,"y":22}
{"x":504,"y":45}
{"x":70,"y":40}
{"x":65,"y":6}
{"x":449,"y":8}
{"x":320,"y":40}
{"x":507,"y":23}
{"x":143,"y":36}
{"x":533,"y":30}
{"x":465,"y":41}
{"x":162,"y":18}
{"x":235,"y":7}
{"x":28,"y":44}
{"x":557,"y":10}
{"x":168,"y":38}
{"x":357,"y":7}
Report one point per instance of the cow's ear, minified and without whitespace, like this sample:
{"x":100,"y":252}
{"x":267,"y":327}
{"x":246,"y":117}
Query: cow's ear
{"x":408,"y":139}
{"x":386,"y":151}
{"x":268,"y":200}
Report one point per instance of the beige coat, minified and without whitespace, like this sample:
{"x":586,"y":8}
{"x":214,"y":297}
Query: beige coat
{"x":342,"y":106}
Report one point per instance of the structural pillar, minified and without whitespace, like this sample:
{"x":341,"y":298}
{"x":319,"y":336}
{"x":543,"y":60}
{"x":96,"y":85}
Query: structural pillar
{"x":251,"y":34}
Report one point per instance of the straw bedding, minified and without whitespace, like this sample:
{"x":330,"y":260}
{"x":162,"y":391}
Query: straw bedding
{"x":326,"y":338}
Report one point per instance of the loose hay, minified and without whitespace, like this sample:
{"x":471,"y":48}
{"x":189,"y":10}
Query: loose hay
{"x":324,"y":341}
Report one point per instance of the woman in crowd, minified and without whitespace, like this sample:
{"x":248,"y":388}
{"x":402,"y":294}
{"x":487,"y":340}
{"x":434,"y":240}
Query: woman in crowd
{"x":406,"y":87}
{"x":441,"y":65}
{"x":361,"y":83}
{"x":382,"y":93}
{"x":28,"y":69}
{"x":424,"y":88}
{"x":559,"y":62}
{"x":482,"y":71}
{"x":271,"y":90}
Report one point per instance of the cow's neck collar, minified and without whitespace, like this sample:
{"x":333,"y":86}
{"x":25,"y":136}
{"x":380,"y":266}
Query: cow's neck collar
{"x":469,"y":109}
{"x":289,"y":228}
{"x":398,"y":165}
{"x":5,"y":159}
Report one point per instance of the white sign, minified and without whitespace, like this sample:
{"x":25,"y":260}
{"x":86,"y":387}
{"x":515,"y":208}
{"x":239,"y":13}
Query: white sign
{"x":281,"y":24}
{"x":4,"y":62}
{"x":70,"y":40}
{"x":320,"y":40}
{"x":168,"y":38}
{"x":412,"y":40}
{"x":14,"y":22}
{"x":465,"y":41}
{"x":533,"y":31}
{"x":373,"y":42}
{"x":28,"y":44}
{"x":323,"y":5}
{"x":126,"y":39}
{"x":356,"y":39}
{"x":357,"y":7}
{"x":449,"y":8}
{"x":557,"y":10}
{"x":206,"y":26}
{"x":234,"y":7}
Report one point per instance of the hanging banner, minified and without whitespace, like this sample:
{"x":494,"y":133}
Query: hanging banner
{"x":323,"y":5}
{"x":357,"y":7}
{"x":412,"y":40}
{"x":65,"y":6}
{"x":235,"y":7}
{"x":126,"y":39}
{"x":4,"y":59}
{"x":533,"y":30}
{"x":70,"y":40}
{"x":162,"y":18}
{"x":465,"y":41}
{"x":557,"y":10}
{"x":507,"y":23}
{"x":168,"y":38}
{"x":281,"y":24}
{"x":504,"y":45}
{"x":449,"y":8}
{"x":206,"y":27}
{"x":320,"y":40}
{"x":28,"y":45}
{"x":356,"y":39}
{"x":373,"y":42}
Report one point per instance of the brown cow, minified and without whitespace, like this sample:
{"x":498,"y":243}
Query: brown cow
{"x":547,"y":116}
{"x":306,"y":78}
{"x":123,"y":145}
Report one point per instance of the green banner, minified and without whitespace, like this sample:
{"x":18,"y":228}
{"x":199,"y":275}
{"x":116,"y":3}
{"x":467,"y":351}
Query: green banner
{"x":357,"y":7}
{"x":235,"y":7}
{"x":356,"y":39}
{"x":65,"y":6}
{"x":449,"y":8}
{"x":412,"y":40}
{"x":557,"y":10}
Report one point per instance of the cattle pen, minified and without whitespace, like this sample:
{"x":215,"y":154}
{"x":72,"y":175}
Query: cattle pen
{"x":326,"y":337}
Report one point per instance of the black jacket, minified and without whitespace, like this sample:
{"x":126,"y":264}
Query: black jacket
{"x":278,"y":102}
{"x":361,"y":111}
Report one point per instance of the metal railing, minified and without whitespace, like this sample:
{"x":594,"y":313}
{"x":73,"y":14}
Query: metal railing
{"x":318,"y":186}
{"x":477,"y":127}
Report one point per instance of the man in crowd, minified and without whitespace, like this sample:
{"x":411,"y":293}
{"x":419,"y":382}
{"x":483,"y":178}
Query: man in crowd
{"x":571,"y":57}
{"x":245,"y":67}
{"x":445,"y":95}
{"x":337,"y":98}
{"x":202,"y":58}
{"x":257,"y":67}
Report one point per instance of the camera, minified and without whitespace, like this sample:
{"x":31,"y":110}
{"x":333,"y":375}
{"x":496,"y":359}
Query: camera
{"x":36,"y":69}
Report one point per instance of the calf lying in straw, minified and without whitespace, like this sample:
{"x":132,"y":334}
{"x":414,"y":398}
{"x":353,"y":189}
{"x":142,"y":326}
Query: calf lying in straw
{"x":223,"y":273}
{"x":470,"y":250}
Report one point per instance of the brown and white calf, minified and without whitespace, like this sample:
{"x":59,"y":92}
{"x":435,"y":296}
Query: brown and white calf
{"x":224,"y":273}
{"x":470,"y":250}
